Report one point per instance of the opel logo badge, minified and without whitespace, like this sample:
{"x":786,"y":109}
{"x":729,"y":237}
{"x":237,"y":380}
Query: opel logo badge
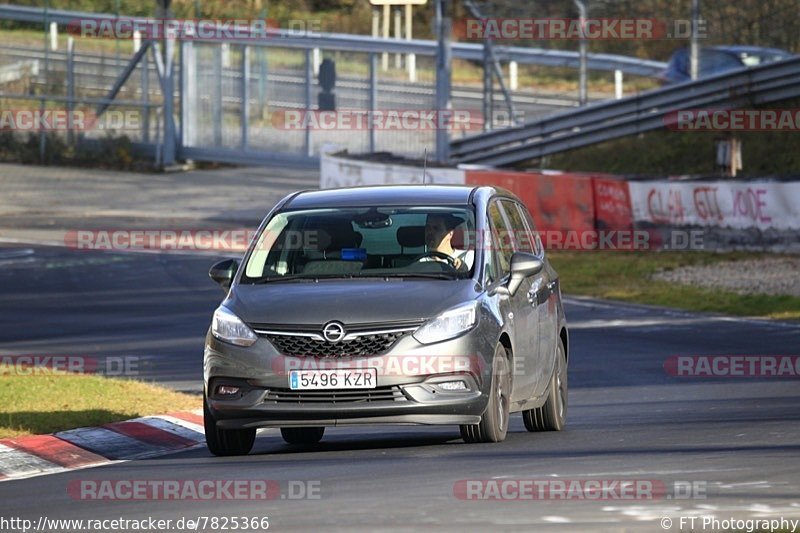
{"x":333,"y":331}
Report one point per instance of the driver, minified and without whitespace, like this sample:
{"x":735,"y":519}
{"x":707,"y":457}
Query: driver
{"x":439,"y":229}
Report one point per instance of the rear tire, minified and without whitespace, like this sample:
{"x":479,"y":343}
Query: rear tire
{"x":303,"y":436}
{"x":552,"y":416}
{"x":225,"y":442}
{"x":493,"y":426}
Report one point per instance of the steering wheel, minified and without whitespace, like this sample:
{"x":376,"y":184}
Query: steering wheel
{"x":450,"y":260}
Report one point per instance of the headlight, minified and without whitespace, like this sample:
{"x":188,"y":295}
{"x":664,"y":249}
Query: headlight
{"x":449,"y":324}
{"x":229,"y":328}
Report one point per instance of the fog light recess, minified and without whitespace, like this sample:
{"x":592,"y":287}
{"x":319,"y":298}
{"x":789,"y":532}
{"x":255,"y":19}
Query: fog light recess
{"x":452,"y":385}
{"x":227,"y":390}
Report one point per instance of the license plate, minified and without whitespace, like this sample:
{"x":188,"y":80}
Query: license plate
{"x":340,"y":378}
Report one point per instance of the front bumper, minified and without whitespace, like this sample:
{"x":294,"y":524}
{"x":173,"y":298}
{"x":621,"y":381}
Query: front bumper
{"x":406,"y":392}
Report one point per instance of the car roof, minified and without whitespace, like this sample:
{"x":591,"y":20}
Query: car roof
{"x":369,"y":196}
{"x":749,"y":49}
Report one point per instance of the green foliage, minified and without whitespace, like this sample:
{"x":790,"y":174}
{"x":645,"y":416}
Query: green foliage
{"x":666,"y":152}
{"x":627,"y":276}
{"x":108,"y":152}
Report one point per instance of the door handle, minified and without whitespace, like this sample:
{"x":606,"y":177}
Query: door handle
{"x":533,"y":292}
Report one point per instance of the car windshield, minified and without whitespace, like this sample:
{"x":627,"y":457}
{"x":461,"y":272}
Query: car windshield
{"x":405,"y":242}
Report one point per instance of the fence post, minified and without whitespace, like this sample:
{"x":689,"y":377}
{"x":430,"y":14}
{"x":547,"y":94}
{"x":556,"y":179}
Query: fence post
{"x":309,"y":80}
{"x":386,"y":17}
{"x":189,"y":92}
{"x":245,"y":94}
{"x":443,"y":67}
{"x":146,"y":98}
{"x":398,"y":34}
{"x":168,"y":156}
{"x":216,"y":103}
{"x":70,"y":90}
{"x":488,"y":89}
{"x":411,"y":59}
{"x":373,"y":97}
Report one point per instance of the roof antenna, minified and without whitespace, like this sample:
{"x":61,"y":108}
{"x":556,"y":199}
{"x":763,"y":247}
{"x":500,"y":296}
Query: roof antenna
{"x":425,"y":168}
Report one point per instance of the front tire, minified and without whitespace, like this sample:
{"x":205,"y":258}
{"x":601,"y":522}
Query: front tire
{"x":303,"y":436}
{"x":552,"y":416}
{"x":226,"y":442}
{"x":493,"y":426}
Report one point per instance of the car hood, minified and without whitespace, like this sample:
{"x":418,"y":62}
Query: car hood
{"x":348,"y":301}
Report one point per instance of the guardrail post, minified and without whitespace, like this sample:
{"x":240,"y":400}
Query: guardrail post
{"x":53,"y":36}
{"x":513,"y":76}
{"x":617,"y":84}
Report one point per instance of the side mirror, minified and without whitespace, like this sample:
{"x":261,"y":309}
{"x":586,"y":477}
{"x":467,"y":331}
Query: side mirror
{"x":523,"y":264}
{"x":224,"y":271}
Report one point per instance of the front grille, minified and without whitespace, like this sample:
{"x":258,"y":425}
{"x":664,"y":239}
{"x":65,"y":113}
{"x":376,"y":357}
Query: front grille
{"x":310,"y":347}
{"x":361,"y":339}
{"x":380,"y":394}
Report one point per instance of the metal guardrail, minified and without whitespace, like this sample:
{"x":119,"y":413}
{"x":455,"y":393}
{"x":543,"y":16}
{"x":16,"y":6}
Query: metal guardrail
{"x":613,"y":119}
{"x":367,"y":44}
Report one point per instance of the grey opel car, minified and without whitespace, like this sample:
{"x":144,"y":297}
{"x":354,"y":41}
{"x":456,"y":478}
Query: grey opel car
{"x":424,"y":304}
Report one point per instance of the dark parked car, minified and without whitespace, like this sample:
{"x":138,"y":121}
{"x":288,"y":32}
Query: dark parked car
{"x":719,"y":59}
{"x":387,"y":305}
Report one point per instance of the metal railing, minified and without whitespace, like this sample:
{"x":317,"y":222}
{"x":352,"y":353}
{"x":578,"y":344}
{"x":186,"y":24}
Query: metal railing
{"x":366,"y":44}
{"x":604,"y":121}
{"x":223,"y":96}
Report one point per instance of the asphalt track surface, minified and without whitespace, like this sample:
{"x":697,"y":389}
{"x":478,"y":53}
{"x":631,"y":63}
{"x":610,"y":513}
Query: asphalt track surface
{"x":736,"y":441}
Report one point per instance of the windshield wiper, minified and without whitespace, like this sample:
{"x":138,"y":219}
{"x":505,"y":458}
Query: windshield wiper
{"x":292,"y":277}
{"x":354,"y":275}
{"x":428,"y":275}
{"x":309,"y":277}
